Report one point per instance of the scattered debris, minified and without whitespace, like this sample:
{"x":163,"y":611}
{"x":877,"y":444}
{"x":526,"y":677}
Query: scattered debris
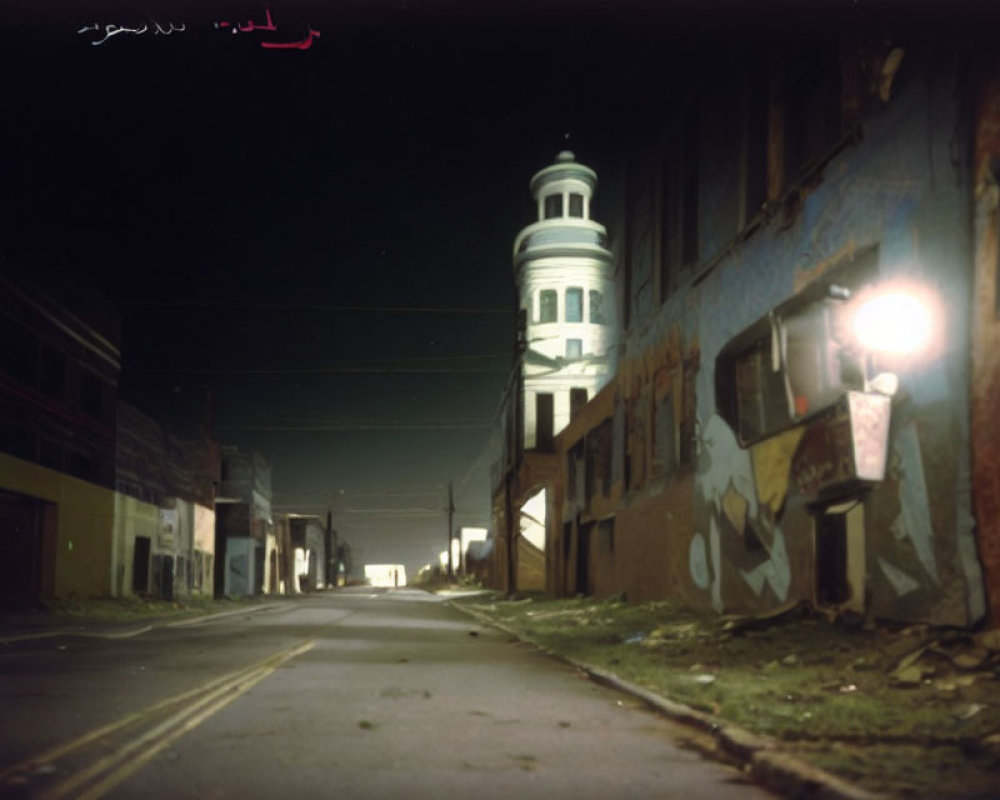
{"x":366,"y":725}
{"x":908,"y":676}
{"x":968,"y":711}
{"x":704,"y":678}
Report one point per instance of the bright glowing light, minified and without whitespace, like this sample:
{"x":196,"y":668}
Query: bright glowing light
{"x":897,"y":322}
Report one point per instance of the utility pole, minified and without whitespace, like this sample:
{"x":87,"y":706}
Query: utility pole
{"x":451,"y":512}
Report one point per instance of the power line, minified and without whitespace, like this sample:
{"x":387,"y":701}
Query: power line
{"x":256,"y":306}
{"x":365,"y":426}
{"x":343,"y":370}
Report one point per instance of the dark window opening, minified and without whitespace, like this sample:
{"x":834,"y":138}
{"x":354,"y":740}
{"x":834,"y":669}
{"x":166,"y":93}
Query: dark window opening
{"x":755,"y":120}
{"x":544,"y":409}
{"x":596,"y":310}
{"x":50,"y":454}
{"x":553,"y":206}
{"x":18,"y":353}
{"x":547,"y":306}
{"x":606,"y":537}
{"x":583,"y":585}
{"x":92,"y":396}
{"x":577,"y":400}
{"x":811,"y":105}
{"x":689,"y":188}
{"x":576,"y":205}
{"x":52,"y":378}
{"x":81,"y":465}
{"x":567,"y":543}
{"x":574,"y":304}
{"x":598,"y":461}
{"x":670,"y":249}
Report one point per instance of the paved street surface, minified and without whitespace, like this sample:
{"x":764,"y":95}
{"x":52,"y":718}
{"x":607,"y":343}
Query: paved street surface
{"x":351,"y":694}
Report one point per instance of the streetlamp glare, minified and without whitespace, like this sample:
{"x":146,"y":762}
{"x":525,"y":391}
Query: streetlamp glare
{"x":894,"y":322}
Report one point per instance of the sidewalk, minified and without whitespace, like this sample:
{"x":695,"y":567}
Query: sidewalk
{"x":121,"y":618}
{"x":811,"y":708}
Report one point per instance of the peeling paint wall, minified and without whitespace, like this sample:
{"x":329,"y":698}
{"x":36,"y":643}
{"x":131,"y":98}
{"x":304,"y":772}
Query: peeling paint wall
{"x":986,"y":327}
{"x":746,"y":538}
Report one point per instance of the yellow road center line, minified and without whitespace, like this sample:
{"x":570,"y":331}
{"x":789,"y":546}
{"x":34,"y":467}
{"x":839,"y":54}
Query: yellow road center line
{"x":110,"y":761}
{"x":133,"y":766}
{"x":227,"y":680}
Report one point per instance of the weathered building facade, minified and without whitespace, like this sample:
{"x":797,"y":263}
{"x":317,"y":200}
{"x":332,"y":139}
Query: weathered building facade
{"x":796,"y":413}
{"x":59,"y":368}
{"x":565,"y":355}
{"x":244,"y":529}
{"x":164,"y":535}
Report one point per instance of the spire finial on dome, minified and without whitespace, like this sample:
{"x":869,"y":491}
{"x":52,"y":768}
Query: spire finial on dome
{"x":565,"y":157}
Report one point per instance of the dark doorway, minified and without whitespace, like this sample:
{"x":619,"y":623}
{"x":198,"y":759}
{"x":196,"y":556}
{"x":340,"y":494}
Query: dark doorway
{"x":583,"y":585}
{"x":258,"y":565}
{"x":566,"y":544}
{"x":140,"y":565}
{"x":832,"y":587}
{"x":163,"y":576}
{"x":21,"y":550}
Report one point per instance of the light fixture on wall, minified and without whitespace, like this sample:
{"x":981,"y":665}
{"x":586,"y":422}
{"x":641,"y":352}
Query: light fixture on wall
{"x":896,"y":322}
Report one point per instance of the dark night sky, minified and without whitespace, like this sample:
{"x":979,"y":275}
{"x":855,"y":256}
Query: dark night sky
{"x":260,"y":217}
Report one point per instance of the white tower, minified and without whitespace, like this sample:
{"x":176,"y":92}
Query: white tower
{"x":562,"y":268}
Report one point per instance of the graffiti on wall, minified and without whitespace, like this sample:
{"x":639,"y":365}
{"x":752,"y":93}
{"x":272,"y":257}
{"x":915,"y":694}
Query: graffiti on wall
{"x":913,"y":522}
{"x":738,"y":502}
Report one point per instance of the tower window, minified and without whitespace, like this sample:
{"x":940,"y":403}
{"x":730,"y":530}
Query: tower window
{"x":547,"y":310}
{"x":574,"y":304}
{"x":596,"y":312}
{"x":576,"y":205}
{"x":574,"y":348}
{"x":553,"y":206}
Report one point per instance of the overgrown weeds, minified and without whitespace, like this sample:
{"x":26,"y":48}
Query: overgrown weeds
{"x":912,"y":711}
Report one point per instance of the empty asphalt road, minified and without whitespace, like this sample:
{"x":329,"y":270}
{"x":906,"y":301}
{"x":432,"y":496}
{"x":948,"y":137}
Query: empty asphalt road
{"x":348,"y":694}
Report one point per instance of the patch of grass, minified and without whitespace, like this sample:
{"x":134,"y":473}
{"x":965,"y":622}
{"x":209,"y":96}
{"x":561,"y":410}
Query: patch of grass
{"x":129,"y":609}
{"x":833,"y":694}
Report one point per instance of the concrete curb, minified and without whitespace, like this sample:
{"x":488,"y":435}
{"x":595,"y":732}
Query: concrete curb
{"x":759,"y":756}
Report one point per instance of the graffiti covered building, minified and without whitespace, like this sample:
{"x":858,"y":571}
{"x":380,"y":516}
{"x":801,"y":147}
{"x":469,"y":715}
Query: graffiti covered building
{"x":794,"y":408}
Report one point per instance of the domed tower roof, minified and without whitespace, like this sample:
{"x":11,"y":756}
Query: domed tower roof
{"x":565,"y":168}
{"x":563,"y":192}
